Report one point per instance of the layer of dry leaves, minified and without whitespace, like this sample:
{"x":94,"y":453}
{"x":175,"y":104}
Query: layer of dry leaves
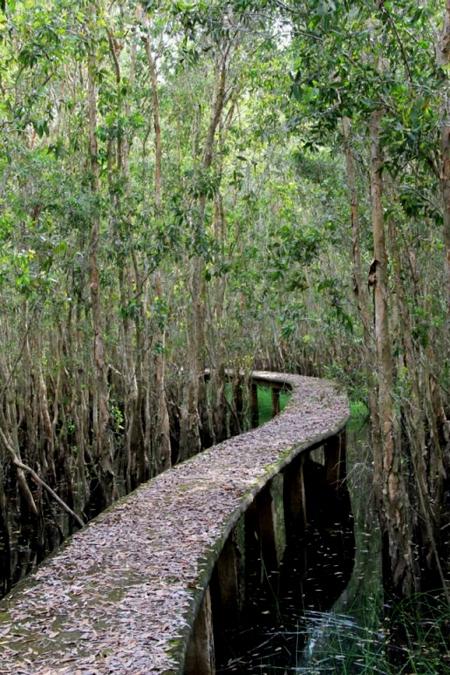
{"x":115,"y":598}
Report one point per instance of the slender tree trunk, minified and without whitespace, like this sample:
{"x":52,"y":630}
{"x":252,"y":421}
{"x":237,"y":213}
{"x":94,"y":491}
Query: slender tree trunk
{"x":216,"y":325}
{"x":194,"y":411}
{"x":445,"y":189}
{"x":134,"y":467}
{"x":443,"y":54}
{"x":101,"y":421}
{"x":162,"y":445}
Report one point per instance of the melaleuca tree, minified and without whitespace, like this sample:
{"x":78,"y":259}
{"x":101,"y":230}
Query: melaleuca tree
{"x":366,"y":80}
{"x":174,"y":197}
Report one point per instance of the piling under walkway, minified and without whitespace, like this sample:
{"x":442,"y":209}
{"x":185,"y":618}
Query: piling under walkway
{"x":122,"y":594}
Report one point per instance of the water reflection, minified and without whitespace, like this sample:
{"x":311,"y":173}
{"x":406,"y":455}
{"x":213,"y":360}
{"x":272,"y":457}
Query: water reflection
{"x":315,"y":569}
{"x":26,"y":541}
{"x":320,"y":610}
{"x":349,"y":638}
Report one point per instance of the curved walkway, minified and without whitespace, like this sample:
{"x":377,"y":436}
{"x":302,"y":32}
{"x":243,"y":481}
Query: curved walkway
{"x":122,"y":594}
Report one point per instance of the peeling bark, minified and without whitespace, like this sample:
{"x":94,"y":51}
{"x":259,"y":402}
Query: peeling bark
{"x":390,"y":484}
{"x":101,"y":421}
{"x":163,"y":450}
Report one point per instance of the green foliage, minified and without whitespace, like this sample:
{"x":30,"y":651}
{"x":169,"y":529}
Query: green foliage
{"x":265,"y":406}
{"x":260,"y":242}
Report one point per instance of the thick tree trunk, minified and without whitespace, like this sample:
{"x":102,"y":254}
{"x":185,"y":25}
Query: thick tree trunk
{"x":362,"y":296}
{"x":426,"y":477}
{"x":390,"y":485}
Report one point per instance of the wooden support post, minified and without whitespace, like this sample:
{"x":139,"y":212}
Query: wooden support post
{"x":239,"y":398}
{"x":335,"y":460}
{"x":271,"y":526}
{"x":295,"y":494}
{"x":200,"y":656}
{"x":230,"y":581}
{"x":237,"y":419}
{"x":275,"y":401}
{"x":254,"y":408}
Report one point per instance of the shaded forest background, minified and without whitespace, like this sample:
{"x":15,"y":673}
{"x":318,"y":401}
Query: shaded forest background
{"x":240,"y":184}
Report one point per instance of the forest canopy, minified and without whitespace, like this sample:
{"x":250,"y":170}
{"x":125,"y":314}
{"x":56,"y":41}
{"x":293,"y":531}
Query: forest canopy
{"x":224,"y":185}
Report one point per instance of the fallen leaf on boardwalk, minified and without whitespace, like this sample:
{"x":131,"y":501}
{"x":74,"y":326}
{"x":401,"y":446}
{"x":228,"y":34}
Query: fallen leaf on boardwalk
{"x":119,"y":594}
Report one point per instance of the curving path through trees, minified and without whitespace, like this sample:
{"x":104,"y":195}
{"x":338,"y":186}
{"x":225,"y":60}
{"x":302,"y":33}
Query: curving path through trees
{"x":122,"y":595}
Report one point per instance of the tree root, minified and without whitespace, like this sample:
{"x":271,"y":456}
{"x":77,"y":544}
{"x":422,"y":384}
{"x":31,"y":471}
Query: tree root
{"x":24,"y":468}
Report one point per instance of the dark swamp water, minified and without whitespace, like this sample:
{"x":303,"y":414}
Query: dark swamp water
{"x":319,"y":613}
{"x":26,"y":543}
{"x":322,"y":611}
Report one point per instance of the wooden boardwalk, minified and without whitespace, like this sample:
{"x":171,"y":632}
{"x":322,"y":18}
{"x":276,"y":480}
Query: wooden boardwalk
{"x":121,"y":596}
